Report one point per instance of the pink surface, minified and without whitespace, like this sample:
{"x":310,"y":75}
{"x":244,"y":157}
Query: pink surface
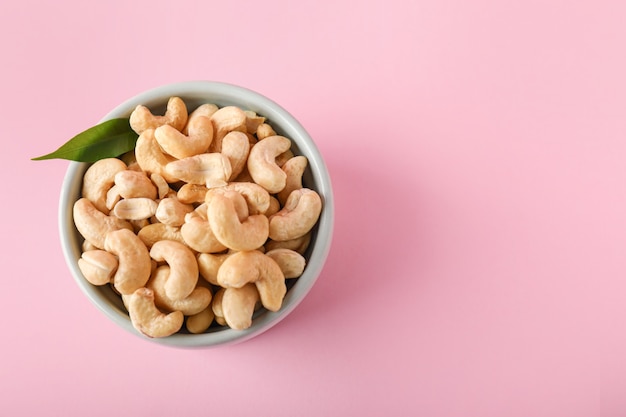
{"x":477,"y":151}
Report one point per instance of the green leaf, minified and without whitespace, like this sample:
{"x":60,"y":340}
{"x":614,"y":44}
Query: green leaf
{"x":106,"y":140}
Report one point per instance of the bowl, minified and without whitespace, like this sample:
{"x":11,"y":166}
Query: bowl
{"x":316,"y":177}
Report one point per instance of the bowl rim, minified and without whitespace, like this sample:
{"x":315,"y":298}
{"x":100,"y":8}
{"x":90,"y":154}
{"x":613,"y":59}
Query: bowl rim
{"x":222,"y":94}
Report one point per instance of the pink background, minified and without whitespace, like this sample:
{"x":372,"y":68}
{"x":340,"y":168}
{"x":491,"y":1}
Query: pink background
{"x":478,"y":154}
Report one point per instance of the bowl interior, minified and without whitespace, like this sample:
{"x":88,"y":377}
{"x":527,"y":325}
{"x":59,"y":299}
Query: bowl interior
{"x":316,"y":177}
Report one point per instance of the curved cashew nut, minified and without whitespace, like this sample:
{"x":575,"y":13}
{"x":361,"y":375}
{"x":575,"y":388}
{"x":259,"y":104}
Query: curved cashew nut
{"x":236,"y":147}
{"x":147,"y":318}
{"x":298,"y":215}
{"x":238,"y":306}
{"x":134,"y":266}
{"x":197,"y":233}
{"x":200,"y":322}
{"x":264,"y":131}
{"x":152,"y":233}
{"x":97,"y":266}
{"x":179,"y":145}
{"x":172,"y":212}
{"x":198,"y":300}
{"x":132,"y":184}
{"x":241,"y":206}
{"x":291,"y":262}
{"x":209,"y":264}
{"x":204,"y":110}
{"x":142,"y":119}
{"x":262,"y":163}
{"x":257,"y":197}
{"x":139,"y":208}
{"x":216,"y":307}
{"x":183,"y":275}
{"x":151,"y":158}
{"x":93,"y":224}
{"x":226,"y":119}
{"x":299,"y":244}
{"x":192,"y":193}
{"x":255,"y":267}
{"x":163,"y":188}
{"x":229,"y":230}
{"x":294,"y":168}
{"x":211,"y":169}
{"x":98,"y":180}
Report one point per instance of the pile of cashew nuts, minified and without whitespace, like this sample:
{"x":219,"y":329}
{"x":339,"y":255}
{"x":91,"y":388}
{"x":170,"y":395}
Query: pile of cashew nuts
{"x":202,"y":224}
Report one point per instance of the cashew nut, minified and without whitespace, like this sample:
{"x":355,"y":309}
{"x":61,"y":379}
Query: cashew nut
{"x":200,"y":322}
{"x":297,"y":217}
{"x":93,"y":224}
{"x":197,"y":233}
{"x":179,"y":145}
{"x":229,"y":230}
{"x":264,"y":131}
{"x":192,"y":193}
{"x":183,"y":275}
{"x":147,"y":318}
{"x":253,"y":121}
{"x":290,"y":262}
{"x":98,"y":179}
{"x":209,"y":264}
{"x":238,"y":306}
{"x":262,"y":163}
{"x":142,"y":119}
{"x":97,"y":266}
{"x":163,"y":188}
{"x":216,"y":306}
{"x":152,"y":233}
{"x":135,"y":208}
{"x":172,"y":212}
{"x":257,"y":197}
{"x":226,"y":119}
{"x":211,"y":169}
{"x":299,"y":244}
{"x":236,"y":146}
{"x":294,"y":168}
{"x":131,"y":184}
{"x":205,"y":110}
{"x":134,"y":266}
{"x":241,"y":206}
{"x":198,"y":300}
{"x":151,"y":158}
{"x":255,"y":267}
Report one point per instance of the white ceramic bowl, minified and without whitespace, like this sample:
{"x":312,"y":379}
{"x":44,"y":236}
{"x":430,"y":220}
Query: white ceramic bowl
{"x":316,"y":177}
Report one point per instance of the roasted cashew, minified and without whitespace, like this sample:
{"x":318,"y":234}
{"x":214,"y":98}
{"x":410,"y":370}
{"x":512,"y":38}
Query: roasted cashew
{"x":152,"y":233}
{"x":179,"y":145}
{"x":198,"y":300}
{"x":255,"y":267}
{"x":142,"y":119}
{"x":299,"y":244}
{"x":93,"y":224}
{"x":236,"y":146}
{"x":205,"y":110}
{"x":262,"y":163}
{"x":297,"y":217}
{"x":135,"y":208}
{"x":210,"y":169}
{"x":132,"y":184}
{"x":238,"y":305}
{"x":97,"y":266}
{"x":134,"y":266}
{"x":184,"y":274}
{"x":264,"y":131}
{"x":291,"y":262}
{"x":192,"y":193}
{"x":294,"y":168}
{"x":98,"y":180}
{"x":238,"y":235}
{"x":151,"y":158}
{"x":172,"y":212}
{"x":200,"y":322}
{"x":147,"y":318}
{"x":216,"y":307}
{"x":225,"y":120}
{"x":197,"y":233}
{"x":209,"y":264}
